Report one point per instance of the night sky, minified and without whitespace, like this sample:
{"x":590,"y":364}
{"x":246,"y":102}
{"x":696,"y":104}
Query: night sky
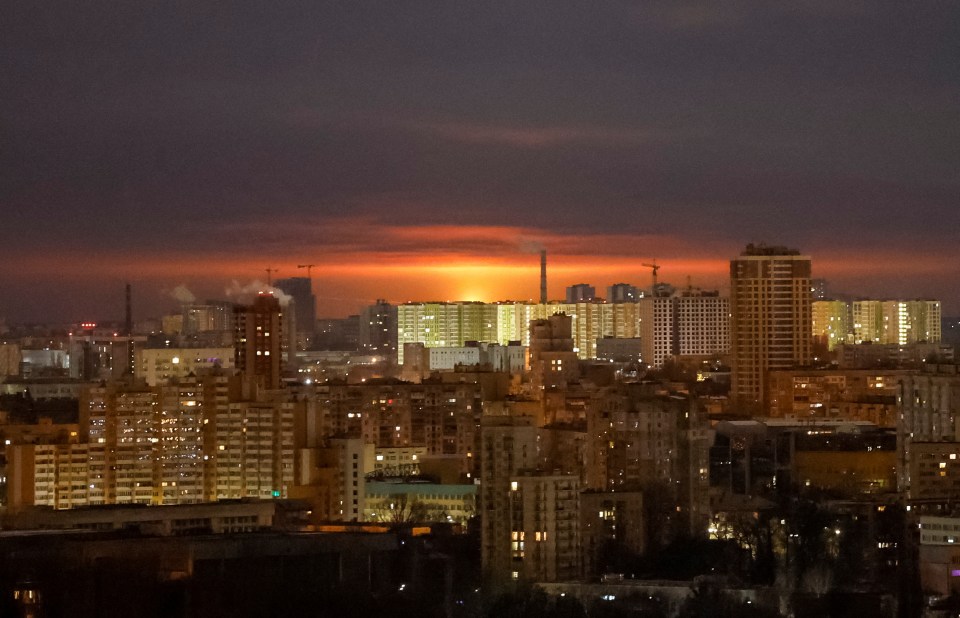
{"x":428,"y":150}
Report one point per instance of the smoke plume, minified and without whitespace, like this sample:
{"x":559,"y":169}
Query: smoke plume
{"x":246,"y":293}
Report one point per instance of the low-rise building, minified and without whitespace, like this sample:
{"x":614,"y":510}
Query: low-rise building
{"x":417,"y":502}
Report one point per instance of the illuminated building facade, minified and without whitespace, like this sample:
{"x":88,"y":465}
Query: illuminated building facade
{"x":419,"y":361}
{"x":831,"y":320}
{"x":771,"y":318}
{"x":159,"y":365}
{"x":49,"y":475}
{"x":397,"y":502}
{"x":185,"y":442}
{"x":438,"y":325}
{"x":896,"y":322}
{"x":251,"y":450}
{"x":211,"y":316}
{"x":687,"y":324}
{"x":836,"y":394}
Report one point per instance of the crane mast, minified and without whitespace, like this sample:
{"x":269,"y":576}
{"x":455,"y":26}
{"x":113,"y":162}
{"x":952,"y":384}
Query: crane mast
{"x":654,"y":267}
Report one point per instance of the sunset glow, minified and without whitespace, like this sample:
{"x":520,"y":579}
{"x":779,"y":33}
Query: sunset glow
{"x":450,"y":262}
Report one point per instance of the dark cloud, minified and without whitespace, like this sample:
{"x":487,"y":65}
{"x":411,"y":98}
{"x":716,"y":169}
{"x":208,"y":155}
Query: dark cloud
{"x":147,"y":124}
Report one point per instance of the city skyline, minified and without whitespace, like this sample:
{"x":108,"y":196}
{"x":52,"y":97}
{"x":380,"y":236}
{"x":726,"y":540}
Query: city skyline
{"x":345,"y":286}
{"x":401,"y":147}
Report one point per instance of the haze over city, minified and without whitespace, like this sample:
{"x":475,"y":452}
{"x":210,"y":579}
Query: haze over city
{"x":428,"y":151}
{"x":475,"y":309}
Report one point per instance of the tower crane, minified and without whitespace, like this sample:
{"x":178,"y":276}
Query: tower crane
{"x":654,"y":267}
{"x":270,"y":271}
{"x":308,"y":267}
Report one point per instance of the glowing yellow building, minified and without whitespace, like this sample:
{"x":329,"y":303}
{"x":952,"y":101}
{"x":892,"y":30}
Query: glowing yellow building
{"x":831,"y":322}
{"x":896,"y":321}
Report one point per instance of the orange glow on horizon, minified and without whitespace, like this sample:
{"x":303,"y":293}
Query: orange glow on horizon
{"x":448,"y":262}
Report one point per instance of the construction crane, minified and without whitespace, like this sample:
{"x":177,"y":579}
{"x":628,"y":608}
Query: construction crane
{"x":655,"y":267}
{"x":308,"y":267}
{"x":270,"y":271}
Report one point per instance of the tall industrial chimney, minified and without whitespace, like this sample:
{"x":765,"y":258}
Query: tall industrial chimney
{"x":543,"y":277}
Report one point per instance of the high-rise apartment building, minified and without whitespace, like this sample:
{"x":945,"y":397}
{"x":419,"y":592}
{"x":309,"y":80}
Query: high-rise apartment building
{"x":702,"y":323}
{"x":686,"y":324}
{"x":51,"y":475}
{"x":928,"y":434}
{"x":544,"y":532}
{"x":831,"y":322}
{"x":693,"y":323}
{"x":638,"y":437}
{"x":771,"y":325}
{"x":210,"y":316}
{"x":553,"y":363}
{"x":378,"y":329}
{"x":251,"y":454}
{"x":590,"y":321}
{"x":508,"y":445}
{"x":259,"y":340}
{"x":301,"y":290}
{"x":438,"y":325}
{"x":623,"y":293}
{"x":896,"y":321}
{"x":656,"y":330}
{"x":350,"y":454}
{"x":188,"y":441}
{"x":581,"y":292}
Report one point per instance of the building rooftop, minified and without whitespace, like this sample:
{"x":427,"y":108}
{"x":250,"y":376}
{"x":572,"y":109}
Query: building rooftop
{"x":763,"y":249}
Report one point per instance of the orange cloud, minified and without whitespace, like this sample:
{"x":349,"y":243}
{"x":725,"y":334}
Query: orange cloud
{"x":361,"y":260}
